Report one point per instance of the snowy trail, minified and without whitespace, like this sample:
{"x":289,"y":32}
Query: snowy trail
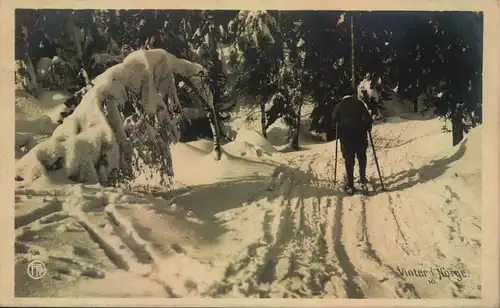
{"x":312,"y":245}
{"x":351,"y":245}
{"x":261,"y":223}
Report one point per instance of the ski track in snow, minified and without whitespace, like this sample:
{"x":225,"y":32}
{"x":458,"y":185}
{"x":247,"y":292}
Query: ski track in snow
{"x":316,"y":241}
{"x":309,"y":254}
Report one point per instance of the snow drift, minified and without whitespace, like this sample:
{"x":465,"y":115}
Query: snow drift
{"x":250,"y":142}
{"x":96,"y":142}
{"x":194,"y":165}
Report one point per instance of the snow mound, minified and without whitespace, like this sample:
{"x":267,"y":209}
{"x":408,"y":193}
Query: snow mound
{"x":277,"y":134}
{"x":230,"y":167}
{"x":186,"y":153}
{"x":244,"y":149}
{"x":194,"y":164}
{"x":203,"y":145}
{"x":207,"y":170}
{"x":249,"y":142}
{"x":256,"y":139}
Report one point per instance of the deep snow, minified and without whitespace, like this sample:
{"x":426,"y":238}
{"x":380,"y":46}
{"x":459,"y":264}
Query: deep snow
{"x":262,"y":222}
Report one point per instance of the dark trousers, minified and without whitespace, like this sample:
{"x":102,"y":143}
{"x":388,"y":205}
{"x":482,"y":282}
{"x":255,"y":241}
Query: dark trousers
{"x":352,"y":148}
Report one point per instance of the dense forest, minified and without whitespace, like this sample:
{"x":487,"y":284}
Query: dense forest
{"x":273,"y":61}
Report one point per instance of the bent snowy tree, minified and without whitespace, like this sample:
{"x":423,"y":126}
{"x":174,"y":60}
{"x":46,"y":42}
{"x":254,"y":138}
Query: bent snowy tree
{"x":126,"y":120}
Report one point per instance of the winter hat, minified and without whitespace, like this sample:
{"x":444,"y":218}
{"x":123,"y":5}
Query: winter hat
{"x":348,"y":92}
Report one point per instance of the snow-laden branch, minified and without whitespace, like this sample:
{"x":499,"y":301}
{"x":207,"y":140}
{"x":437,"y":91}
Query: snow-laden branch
{"x":195,"y":73}
{"x":253,"y":25}
{"x":92,"y":144}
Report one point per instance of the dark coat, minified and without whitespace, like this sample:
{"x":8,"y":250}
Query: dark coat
{"x":353,"y":118}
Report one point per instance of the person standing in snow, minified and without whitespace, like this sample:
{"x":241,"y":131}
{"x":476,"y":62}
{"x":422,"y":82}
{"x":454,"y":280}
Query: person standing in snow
{"x":354,"y":122}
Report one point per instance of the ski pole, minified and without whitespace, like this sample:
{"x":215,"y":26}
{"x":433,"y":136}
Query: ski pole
{"x":376,"y":160}
{"x":336,"y":150}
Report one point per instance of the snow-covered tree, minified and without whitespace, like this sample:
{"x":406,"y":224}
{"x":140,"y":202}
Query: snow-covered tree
{"x":292,"y":80}
{"x":206,"y":40}
{"x":102,"y":140}
{"x":25,"y":75}
{"x":427,"y":55}
{"x":257,"y":52}
{"x":456,"y":74}
{"x":328,"y":64}
{"x":54,"y":46}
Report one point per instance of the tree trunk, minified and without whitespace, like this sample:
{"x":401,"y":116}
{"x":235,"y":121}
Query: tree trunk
{"x":214,"y":125}
{"x":216,"y":95}
{"x":296,"y":129}
{"x":263,"y":118}
{"x":353,"y":80}
{"x":33,"y":86}
{"x":415,"y":105}
{"x":457,"y":129}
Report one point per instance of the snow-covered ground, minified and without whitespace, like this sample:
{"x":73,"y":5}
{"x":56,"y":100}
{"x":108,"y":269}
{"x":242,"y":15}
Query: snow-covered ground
{"x":261,"y":222}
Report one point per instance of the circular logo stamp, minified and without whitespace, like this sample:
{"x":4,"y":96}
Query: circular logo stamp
{"x":36,"y":270}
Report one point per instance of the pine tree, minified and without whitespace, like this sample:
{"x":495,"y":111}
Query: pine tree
{"x":289,"y":99}
{"x":328,"y":64}
{"x":258,"y":54}
{"x":444,"y":61}
{"x":436,"y":56}
{"x":206,"y":40}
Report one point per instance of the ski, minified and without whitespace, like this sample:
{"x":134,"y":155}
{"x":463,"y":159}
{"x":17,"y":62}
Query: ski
{"x":371,"y":184}
{"x":366,"y":189}
{"x":360,"y":191}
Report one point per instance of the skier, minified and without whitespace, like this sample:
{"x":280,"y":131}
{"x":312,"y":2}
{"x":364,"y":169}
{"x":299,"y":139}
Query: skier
{"x":354,"y":121}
